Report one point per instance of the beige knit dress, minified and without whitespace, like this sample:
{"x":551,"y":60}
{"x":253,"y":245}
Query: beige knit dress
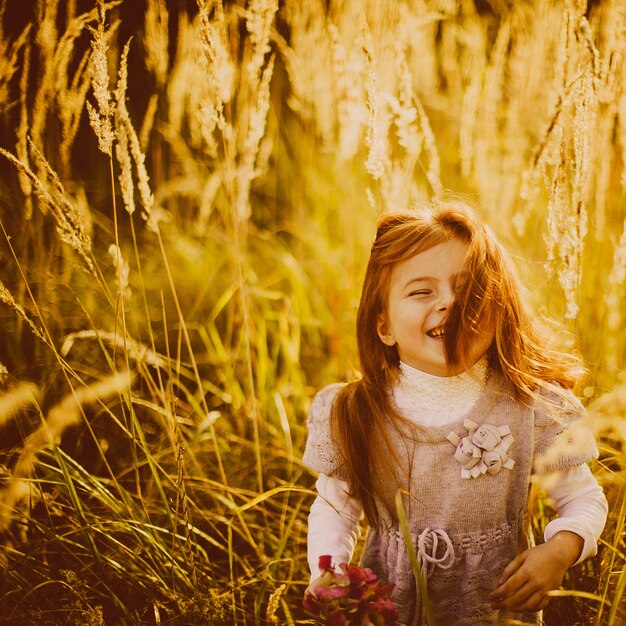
{"x":464,"y":488}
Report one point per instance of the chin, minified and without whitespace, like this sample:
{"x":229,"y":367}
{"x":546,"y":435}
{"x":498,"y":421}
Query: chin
{"x":443,"y":371}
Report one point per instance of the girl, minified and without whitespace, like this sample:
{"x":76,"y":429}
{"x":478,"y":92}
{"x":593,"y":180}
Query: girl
{"x":460,"y":404}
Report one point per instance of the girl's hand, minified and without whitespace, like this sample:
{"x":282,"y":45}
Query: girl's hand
{"x":527,"y":579}
{"x":310,"y":590}
{"x":309,"y":601}
{"x":310,"y":597}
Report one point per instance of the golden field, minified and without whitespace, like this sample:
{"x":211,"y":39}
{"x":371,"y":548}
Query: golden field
{"x":188,"y":194}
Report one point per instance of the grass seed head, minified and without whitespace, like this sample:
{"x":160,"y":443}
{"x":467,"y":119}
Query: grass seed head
{"x":7,"y":298}
{"x":156,"y":39}
{"x":259,"y":20}
{"x":12,"y":401}
{"x":121,"y":268}
{"x":101,"y":118}
{"x":377,"y":127}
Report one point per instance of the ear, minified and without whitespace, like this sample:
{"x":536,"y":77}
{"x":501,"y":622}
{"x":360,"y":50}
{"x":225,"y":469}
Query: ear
{"x":382,"y":328}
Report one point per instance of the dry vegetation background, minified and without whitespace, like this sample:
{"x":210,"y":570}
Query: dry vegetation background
{"x":188,"y":193}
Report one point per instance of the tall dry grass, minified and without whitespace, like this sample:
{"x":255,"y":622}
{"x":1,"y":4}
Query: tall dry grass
{"x":188,"y":194}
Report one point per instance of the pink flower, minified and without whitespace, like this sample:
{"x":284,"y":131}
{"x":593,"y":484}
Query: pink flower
{"x":351,"y":596}
{"x":325,"y":562}
{"x":385,"y":607}
{"x":325,"y":593}
{"x":336,"y":619}
{"x":310,"y":603}
{"x":359,"y":574}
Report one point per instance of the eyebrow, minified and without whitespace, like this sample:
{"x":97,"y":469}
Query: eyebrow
{"x":422,"y":279}
{"x":419,"y":279}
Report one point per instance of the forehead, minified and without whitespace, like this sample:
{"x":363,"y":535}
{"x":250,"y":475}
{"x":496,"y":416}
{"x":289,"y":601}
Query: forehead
{"x":441,"y":262}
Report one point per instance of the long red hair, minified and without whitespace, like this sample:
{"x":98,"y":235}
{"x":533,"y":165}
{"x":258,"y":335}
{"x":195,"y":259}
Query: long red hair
{"x":488,"y":299}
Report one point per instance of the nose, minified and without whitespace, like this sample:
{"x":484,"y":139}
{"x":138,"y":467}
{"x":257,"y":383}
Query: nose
{"x":446,"y":297}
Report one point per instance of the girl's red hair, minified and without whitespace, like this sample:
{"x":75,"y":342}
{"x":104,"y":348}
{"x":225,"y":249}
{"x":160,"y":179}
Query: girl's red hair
{"x":488,"y":300}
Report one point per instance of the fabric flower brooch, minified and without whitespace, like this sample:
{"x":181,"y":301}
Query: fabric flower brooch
{"x":483,"y":449}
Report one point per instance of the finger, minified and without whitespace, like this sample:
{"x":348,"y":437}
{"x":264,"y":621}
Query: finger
{"x":512,"y":567}
{"x":530,"y":597}
{"x":522,"y":582}
{"x":511,"y":585}
{"x":310,"y":601}
{"x":518,"y":597}
{"x":535,"y":602}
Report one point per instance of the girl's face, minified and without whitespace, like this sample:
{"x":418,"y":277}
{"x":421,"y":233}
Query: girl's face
{"x":421,"y":292}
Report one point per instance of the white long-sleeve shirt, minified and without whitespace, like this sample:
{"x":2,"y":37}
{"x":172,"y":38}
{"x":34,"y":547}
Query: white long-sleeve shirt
{"x":334,"y":518}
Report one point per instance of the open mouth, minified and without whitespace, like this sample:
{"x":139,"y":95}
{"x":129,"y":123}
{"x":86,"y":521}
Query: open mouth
{"x":436,"y":333}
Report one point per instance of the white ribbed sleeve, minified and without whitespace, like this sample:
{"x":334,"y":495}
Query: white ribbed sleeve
{"x":333,"y":523}
{"x":580,"y":504}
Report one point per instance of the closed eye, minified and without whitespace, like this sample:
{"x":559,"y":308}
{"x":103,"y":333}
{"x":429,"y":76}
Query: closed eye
{"x":420,"y":292}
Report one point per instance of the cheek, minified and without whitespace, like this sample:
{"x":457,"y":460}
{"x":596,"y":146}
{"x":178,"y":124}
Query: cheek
{"x":412,"y":314}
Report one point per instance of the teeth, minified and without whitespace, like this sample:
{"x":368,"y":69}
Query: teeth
{"x":437,"y":333}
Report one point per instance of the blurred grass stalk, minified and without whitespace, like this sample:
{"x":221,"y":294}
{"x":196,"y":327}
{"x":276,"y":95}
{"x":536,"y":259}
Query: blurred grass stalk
{"x":194,"y":204}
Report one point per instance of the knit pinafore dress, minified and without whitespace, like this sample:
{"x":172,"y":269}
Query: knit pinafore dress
{"x":464,"y":489}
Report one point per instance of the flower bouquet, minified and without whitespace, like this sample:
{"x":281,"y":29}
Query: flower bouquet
{"x":353,"y":596}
